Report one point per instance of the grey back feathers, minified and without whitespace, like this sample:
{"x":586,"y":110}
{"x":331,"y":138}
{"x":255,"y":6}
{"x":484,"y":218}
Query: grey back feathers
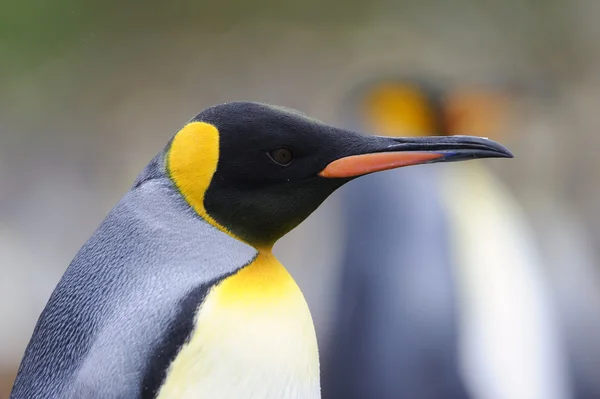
{"x":126,"y":303}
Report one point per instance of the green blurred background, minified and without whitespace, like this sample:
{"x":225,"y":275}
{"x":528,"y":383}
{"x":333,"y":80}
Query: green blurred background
{"x":90,"y":91}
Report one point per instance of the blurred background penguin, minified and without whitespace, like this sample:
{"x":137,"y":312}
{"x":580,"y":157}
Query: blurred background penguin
{"x":444,"y":291}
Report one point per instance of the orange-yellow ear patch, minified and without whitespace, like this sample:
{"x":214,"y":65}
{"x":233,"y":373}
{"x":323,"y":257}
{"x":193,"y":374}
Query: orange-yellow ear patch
{"x":192,"y":162}
{"x":398,"y":110}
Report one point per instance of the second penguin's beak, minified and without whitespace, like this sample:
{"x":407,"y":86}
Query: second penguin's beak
{"x":383,"y":153}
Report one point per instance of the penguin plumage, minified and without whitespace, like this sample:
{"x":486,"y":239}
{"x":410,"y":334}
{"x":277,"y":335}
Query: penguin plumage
{"x":177,"y":293}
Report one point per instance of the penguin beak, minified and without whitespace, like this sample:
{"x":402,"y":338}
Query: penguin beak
{"x":385,"y":153}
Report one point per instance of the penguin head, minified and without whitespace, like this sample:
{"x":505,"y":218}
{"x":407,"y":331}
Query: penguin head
{"x":256,"y":171}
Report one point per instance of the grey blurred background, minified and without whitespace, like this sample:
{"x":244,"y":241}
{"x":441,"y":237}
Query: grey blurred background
{"x":90,"y":91}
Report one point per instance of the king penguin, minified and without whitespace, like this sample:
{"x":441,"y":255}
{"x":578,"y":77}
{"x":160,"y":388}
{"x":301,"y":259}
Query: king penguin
{"x":395,"y":334}
{"x":457,"y":266}
{"x":177,"y":294}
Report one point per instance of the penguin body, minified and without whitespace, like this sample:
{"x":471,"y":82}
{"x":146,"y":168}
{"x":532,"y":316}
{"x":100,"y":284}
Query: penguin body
{"x":177,"y":294}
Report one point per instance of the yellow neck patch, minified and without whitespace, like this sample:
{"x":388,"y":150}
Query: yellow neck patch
{"x":398,"y":110}
{"x":265,"y":279}
{"x":192,"y":161}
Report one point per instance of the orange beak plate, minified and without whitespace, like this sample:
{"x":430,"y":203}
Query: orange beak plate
{"x":357,"y":165}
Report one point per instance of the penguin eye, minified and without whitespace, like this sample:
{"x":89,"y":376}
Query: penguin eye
{"x":282,"y":156}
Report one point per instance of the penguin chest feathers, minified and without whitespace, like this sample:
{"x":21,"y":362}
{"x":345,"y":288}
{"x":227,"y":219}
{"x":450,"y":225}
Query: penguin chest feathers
{"x":253,"y":337}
